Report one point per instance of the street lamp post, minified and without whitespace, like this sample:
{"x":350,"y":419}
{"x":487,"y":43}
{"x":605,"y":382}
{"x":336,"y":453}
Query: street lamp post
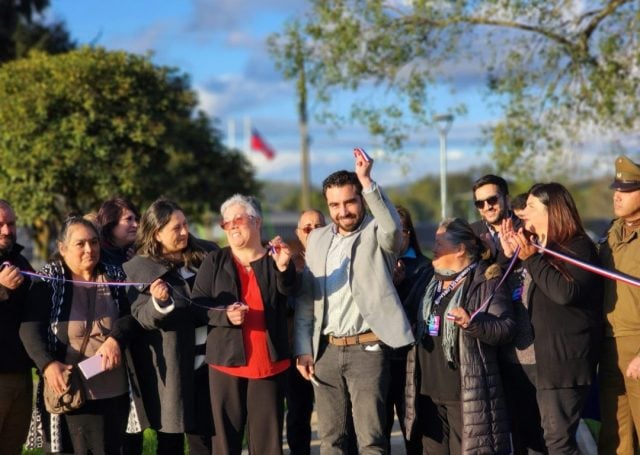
{"x":443,"y":124}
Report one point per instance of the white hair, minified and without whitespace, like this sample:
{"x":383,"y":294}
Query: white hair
{"x":251,"y":205}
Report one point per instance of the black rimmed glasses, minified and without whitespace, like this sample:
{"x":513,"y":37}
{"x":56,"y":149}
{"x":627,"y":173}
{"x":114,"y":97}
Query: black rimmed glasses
{"x":491,"y":200}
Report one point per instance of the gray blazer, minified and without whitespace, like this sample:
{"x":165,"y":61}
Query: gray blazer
{"x":373,"y":257}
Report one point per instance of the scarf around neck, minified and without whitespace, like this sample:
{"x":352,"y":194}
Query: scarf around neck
{"x":449,"y":329}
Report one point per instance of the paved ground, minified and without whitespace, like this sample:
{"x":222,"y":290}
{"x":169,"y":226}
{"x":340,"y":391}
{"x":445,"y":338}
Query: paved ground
{"x":586,"y":442}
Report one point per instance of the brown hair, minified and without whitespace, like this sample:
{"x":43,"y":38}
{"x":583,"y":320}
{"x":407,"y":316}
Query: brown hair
{"x":564,"y":220}
{"x":155,"y":218}
{"x":109,"y":215}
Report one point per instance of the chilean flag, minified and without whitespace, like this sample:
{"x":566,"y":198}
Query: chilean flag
{"x":260,"y":145}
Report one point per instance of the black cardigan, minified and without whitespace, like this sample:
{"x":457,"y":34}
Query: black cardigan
{"x":218,"y":285}
{"x":566,"y":315}
{"x":14,"y":358}
{"x":37,"y":319}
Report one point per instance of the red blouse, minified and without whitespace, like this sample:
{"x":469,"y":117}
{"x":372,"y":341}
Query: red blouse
{"x":254,"y":335}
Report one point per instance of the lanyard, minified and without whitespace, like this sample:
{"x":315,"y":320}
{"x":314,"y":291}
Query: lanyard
{"x":442,"y":294}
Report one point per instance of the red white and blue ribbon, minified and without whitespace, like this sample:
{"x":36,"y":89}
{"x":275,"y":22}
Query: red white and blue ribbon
{"x":591,"y":268}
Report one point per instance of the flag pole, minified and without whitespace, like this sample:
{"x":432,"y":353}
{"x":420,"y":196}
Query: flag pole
{"x":231,"y":134}
{"x":247,"y":135}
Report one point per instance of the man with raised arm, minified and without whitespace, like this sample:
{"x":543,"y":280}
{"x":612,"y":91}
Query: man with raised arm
{"x":349,"y":313}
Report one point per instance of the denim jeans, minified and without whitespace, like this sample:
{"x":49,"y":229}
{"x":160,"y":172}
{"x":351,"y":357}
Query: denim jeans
{"x":358,"y":375}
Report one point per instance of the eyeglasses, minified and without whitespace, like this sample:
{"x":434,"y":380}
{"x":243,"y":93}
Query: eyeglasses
{"x":491,"y":200}
{"x":238,"y":220}
{"x":308,"y":228}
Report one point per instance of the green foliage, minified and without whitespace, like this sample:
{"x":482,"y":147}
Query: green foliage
{"x":21,"y":30}
{"x":560,"y":70}
{"x":79,"y":127}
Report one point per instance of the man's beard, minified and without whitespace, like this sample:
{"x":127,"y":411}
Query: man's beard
{"x":502,"y":214}
{"x":352,"y":227}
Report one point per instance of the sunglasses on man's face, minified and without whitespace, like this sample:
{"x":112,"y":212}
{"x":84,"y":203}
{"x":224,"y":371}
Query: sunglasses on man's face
{"x":491,"y":200}
{"x":308,"y":228}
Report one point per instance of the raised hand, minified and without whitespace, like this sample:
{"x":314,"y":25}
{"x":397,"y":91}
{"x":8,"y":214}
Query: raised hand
{"x":364,"y":163}
{"x":280,"y":253}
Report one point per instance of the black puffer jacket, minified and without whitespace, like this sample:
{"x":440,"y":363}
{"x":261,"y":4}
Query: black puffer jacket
{"x":485,"y":420}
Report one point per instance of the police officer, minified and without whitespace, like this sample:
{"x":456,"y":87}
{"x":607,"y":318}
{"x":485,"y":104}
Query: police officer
{"x":620,"y":361}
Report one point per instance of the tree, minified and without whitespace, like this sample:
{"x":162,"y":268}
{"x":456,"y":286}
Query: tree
{"x":79,"y":127}
{"x":290,"y":59}
{"x":560,"y":69}
{"x":22,"y":30}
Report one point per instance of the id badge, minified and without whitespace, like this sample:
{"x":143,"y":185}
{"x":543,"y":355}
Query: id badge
{"x":434,"y":325}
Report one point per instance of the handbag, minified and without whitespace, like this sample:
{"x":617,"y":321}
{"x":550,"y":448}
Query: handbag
{"x":73,"y":396}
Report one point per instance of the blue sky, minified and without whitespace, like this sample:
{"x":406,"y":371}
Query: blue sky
{"x":220,"y":44}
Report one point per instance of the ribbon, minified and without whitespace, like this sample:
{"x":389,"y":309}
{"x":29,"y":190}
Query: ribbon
{"x":591,"y":268}
{"x":486,"y":302}
{"x":82,"y":283}
{"x":111,"y":283}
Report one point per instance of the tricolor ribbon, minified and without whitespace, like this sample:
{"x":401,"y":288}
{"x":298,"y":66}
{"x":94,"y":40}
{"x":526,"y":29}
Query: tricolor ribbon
{"x":591,"y":268}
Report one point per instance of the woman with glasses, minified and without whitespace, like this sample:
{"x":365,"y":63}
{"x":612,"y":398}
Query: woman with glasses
{"x":60,"y":311}
{"x":564,"y":304}
{"x":247,"y":285}
{"x":169,"y":356}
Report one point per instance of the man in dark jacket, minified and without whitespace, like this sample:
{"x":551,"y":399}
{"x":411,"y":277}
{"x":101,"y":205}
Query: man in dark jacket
{"x":16,"y":384}
{"x":491,"y":198}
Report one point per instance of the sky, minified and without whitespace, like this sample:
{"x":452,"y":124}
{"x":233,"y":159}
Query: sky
{"x":221,"y":45}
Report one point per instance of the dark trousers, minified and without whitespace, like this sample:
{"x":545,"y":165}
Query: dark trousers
{"x":520,"y":390}
{"x":353,"y":380}
{"x":560,"y":411}
{"x":16,"y":391}
{"x":200,"y":438}
{"x":440,"y":425}
{"x":169,"y":443}
{"x":299,"y":393}
{"x":396,"y":400}
{"x":258,"y":403}
{"x":132,"y":444}
{"x":173,"y":443}
{"x":99,"y":426}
